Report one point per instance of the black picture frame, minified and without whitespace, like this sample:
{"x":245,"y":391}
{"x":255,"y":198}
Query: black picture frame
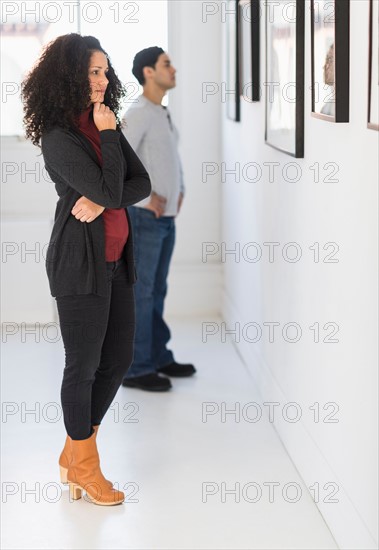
{"x":373,"y":73}
{"x":249,"y":34}
{"x":330,"y":47}
{"x":284,"y":101}
{"x":233,"y":107}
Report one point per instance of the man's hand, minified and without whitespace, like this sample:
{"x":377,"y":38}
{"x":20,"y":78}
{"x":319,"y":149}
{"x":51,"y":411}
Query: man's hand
{"x":157,"y":204}
{"x":180,"y":202}
{"x":86,"y":210}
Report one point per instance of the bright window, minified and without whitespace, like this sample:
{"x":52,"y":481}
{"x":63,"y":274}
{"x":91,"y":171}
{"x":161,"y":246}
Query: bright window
{"x":122,"y":27}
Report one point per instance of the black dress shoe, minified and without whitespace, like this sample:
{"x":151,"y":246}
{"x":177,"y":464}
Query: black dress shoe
{"x":177,"y":369}
{"x":148,"y":382}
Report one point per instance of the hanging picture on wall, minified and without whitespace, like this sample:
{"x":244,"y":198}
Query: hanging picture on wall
{"x":373,"y":84}
{"x":249,"y":20}
{"x":285,"y":76}
{"x":232,"y":45}
{"x":330,"y":45}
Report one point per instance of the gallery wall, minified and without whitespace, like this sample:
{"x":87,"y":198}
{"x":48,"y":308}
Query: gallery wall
{"x":305,"y":311}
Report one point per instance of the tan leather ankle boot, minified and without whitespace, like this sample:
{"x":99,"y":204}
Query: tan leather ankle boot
{"x":66,"y":458}
{"x":84,"y":474}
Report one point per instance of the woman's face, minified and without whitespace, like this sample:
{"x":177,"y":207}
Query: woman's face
{"x":97,"y":73}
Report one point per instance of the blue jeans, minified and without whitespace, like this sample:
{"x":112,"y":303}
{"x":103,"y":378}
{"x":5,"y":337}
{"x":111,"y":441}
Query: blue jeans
{"x":154,"y":240}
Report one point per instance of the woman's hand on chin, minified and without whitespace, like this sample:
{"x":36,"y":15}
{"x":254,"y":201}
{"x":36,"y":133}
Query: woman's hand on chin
{"x":103,"y":117}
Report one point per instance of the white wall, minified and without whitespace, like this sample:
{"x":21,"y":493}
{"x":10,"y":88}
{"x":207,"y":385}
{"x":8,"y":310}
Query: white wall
{"x":195,"y":286}
{"x":306,"y":292}
{"x":28,"y":201}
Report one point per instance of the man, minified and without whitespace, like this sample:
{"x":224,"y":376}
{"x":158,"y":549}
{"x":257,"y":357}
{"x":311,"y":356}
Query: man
{"x":151,"y":133}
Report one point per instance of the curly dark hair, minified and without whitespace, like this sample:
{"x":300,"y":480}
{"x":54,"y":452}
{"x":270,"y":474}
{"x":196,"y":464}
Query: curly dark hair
{"x":57,"y":89}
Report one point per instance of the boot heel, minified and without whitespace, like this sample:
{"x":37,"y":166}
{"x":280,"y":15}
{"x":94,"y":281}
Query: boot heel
{"x":63,"y":474}
{"x":75,"y":491}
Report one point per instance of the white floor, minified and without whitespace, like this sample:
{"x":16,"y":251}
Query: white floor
{"x":176,"y":468}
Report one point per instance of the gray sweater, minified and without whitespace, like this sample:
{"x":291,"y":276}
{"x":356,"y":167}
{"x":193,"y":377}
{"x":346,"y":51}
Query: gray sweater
{"x":75,"y":260}
{"x":153,"y":136}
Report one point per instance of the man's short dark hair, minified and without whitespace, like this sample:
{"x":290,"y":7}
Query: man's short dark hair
{"x":145,"y":58}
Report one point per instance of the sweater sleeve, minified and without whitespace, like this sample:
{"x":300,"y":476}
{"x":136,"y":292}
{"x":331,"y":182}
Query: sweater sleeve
{"x":137,"y":184}
{"x":66,"y":160}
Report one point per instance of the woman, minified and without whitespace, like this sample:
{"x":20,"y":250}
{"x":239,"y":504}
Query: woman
{"x":70,"y":100}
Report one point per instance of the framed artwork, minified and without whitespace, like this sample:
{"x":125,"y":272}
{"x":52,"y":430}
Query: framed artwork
{"x":233,"y":62}
{"x":373,"y":80}
{"x":285,"y":77}
{"x":249,"y":19}
{"x":330,"y":45}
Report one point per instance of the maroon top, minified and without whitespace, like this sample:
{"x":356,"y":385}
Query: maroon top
{"x":115,"y":221}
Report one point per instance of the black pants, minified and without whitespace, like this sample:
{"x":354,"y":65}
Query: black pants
{"x":98,"y":336}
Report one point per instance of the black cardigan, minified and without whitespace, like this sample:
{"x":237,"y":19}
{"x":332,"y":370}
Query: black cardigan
{"x":75,"y":260}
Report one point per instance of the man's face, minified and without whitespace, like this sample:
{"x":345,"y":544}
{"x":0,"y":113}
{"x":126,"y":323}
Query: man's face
{"x":164,"y":73}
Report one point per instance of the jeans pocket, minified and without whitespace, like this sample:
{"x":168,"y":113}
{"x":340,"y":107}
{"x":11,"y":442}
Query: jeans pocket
{"x":146,"y":212}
